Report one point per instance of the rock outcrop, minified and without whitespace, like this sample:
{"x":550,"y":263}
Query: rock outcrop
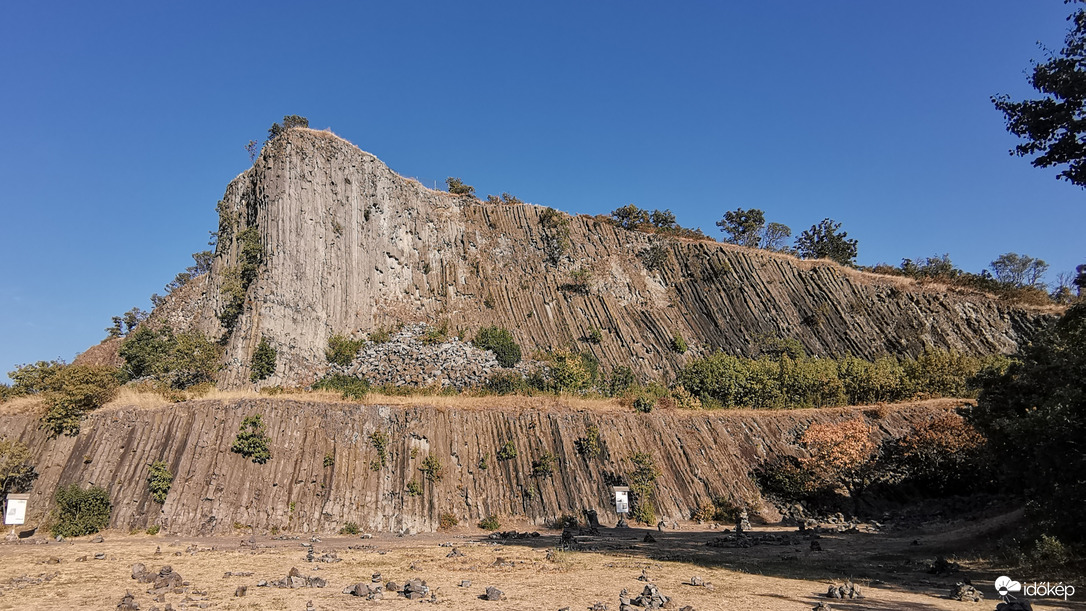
{"x":349,"y":246}
{"x":325,"y":470}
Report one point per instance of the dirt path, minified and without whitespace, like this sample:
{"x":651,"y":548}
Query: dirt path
{"x":782,"y":573}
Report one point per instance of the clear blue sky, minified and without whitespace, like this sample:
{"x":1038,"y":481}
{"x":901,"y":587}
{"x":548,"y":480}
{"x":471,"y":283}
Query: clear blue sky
{"x":123,"y":123}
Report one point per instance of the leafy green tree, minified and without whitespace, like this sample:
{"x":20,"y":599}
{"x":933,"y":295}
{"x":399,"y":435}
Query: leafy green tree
{"x":743,"y":227}
{"x":36,"y":377}
{"x":774,"y":235}
{"x":289,"y":121}
{"x":457,"y":187}
{"x":263,"y":363}
{"x":1052,"y":126}
{"x":79,"y":389}
{"x":630,"y":216}
{"x":179,"y":360}
{"x":1019,"y":270}
{"x":1034,"y":414}
{"x":664,"y":219}
{"x":822,"y":241}
{"x":69,"y":391}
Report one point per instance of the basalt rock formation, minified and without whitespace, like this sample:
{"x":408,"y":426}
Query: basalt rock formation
{"x":325,"y":470}
{"x":320,"y":238}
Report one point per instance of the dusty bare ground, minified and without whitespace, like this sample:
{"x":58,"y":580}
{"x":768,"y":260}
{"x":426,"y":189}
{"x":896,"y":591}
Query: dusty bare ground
{"x":891,"y":569}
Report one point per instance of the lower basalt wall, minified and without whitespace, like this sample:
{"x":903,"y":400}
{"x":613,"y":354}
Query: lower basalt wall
{"x":215,"y":491}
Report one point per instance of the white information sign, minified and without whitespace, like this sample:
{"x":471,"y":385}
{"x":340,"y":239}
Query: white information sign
{"x":622,"y":501}
{"x":16,"y":512}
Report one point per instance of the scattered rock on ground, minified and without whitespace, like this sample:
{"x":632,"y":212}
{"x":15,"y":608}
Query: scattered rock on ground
{"x":651,"y":598}
{"x":966,"y":592}
{"x":128,"y":603}
{"x":493,"y":593}
{"x":846,"y":590}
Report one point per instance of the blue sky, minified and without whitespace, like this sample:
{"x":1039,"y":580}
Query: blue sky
{"x":125,"y":121}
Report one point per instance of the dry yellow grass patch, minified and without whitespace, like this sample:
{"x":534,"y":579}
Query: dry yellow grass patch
{"x":22,"y":405}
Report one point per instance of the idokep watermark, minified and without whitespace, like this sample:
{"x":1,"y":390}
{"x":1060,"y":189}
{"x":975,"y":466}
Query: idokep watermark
{"x":1038,"y":589}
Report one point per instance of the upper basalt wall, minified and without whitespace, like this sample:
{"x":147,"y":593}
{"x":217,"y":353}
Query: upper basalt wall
{"x":350,"y":246}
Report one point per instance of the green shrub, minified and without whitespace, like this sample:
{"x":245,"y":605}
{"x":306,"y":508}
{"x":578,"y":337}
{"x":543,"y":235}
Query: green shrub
{"x":619,"y":382}
{"x":500,"y":342}
{"x":654,"y":257}
{"x":236,"y":279}
{"x":508,"y":451}
{"x":432,"y":468}
{"x":379,"y":441}
{"x":413,"y":488}
{"x":572,"y":371}
{"x":642,"y":487}
{"x":35,"y":378}
{"x":594,"y":336}
{"x":69,"y":391}
{"x":644,"y":404}
{"x":436,"y":335}
{"x":380,"y":336}
{"x":80,"y":512}
{"x":349,"y":386}
{"x":490,"y":523}
{"x":556,"y":241}
{"x":447,"y":520}
{"x":342,"y":350}
{"x":678,"y":344}
{"x":159,"y":480}
{"x":289,"y":121}
{"x":544,"y":465}
{"x":153,"y":529}
{"x":177,"y":360}
{"x":457,"y":187}
{"x":349,"y":528}
{"x":262,"y":365}
{"x":505,"y":383}
{"x":786,"y":479}
{"x":591,"y":445}
{"x":943,"y":373}
{"x":580,"y":282}
{"x":483,"y":462}
{"x":329,"y":460}
{"x":251,"y":441}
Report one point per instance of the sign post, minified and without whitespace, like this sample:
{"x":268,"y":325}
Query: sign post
{"x":622,"y":504}
{"x":15,"y":511}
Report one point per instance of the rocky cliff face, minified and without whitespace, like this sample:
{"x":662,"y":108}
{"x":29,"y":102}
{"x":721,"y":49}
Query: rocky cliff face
{"x":350,"y":246}
{"x":325,"y":471}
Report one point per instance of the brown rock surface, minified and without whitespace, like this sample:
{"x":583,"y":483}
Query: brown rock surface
{"x":351,"y":246}
{"x":700,"y":454}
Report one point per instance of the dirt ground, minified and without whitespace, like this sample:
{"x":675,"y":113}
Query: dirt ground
{"x":775,"y":575}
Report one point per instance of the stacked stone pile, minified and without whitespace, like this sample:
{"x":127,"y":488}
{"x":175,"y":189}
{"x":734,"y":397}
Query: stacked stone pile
{"x":406,"y":360}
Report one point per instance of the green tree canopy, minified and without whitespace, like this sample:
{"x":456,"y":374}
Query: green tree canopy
{"x":822,"y":241}
{"x":1019,"y":270}
{"x":1034,"y":414}
{"x":289,"y":121}
{"x":743,"y":227}
{"x":1053,"y":126}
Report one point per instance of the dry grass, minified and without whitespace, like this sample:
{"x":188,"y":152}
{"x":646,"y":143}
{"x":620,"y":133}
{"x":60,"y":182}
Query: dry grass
{"x":22,"y":405}
{"x":769,"y":578}
{"x":137,"y":398}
